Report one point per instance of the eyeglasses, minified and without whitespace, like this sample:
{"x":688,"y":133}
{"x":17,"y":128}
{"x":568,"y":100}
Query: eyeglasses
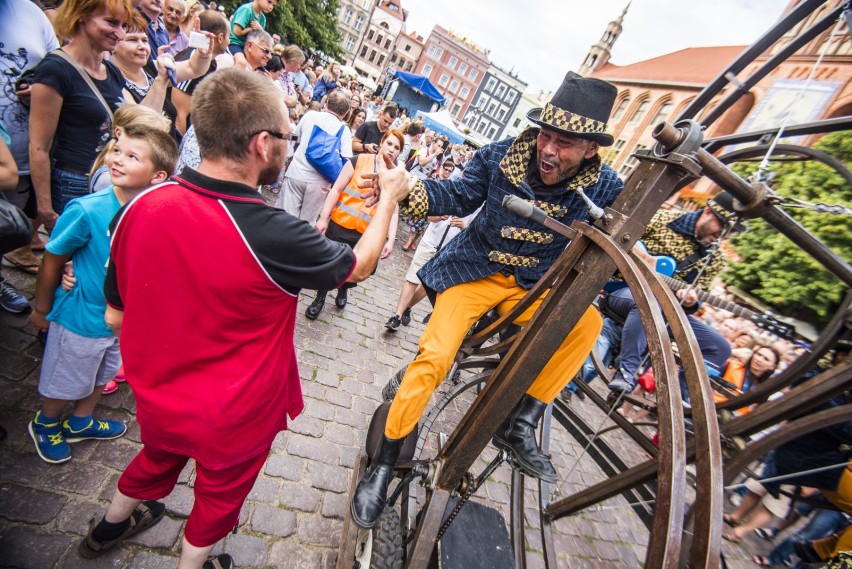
{"x":263,"y":50}
{"x":275,"y":133}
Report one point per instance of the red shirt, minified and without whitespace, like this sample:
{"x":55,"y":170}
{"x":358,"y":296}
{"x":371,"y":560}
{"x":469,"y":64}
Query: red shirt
{"x":208,"y":277}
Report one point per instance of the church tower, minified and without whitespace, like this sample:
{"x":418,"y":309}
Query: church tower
{"x":599,"y":53}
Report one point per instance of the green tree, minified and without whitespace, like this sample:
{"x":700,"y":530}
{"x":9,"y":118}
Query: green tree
{"x":771,"y":267}
{"x":310,"y":24}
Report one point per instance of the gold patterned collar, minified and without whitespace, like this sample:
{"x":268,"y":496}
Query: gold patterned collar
{"x":515,"y":164}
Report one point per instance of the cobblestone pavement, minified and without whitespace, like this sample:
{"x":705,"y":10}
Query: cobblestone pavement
{"x":293,"y":516}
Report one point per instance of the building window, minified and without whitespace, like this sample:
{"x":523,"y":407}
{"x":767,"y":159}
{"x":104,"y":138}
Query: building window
{"x":462,"y":68}
{"x":370,"y":34}
{"x":456,"y":109}
{"x":443,"y":80}
{"x":381,"y":60}
{"x":490,"y":85}
{"x":510,"y":96}
{"x":480,"y":128}
{"x":427,"y":69}
{"x":464,"y":92}
{"x":500,"y":90}
{"x":480,"y":104}
{"x":517,"y":123}
{"x":452,"y":63}
{"x":661,"y":115}
{"x":359,"y":22}
{"x":454,"y":86}
{"x":363,"y":51}
{"x":619,"y":110}
{"x":409,"y":67}
{"x":501,"y":114}
{"x":347,"y":16}
{"x":472,"y":75}
{"x":387,"y":43}
{"x":491,"y":109}
{"x":379,"y":39}
{"x":407,"y":48}
{"x":640,"y":111}
{"x":393,"y":59}
{"x":631,"y":163}
{"x":372,"y":55}
{"x":491,"y":132}
{"x":435,"y":51}
{"x":350,"y":43}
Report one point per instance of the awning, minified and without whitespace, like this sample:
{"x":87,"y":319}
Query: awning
{"x":442,"y":123}
{"x":421,"y":84}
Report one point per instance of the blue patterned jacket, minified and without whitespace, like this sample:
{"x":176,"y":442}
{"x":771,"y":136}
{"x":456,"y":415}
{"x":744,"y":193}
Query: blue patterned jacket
{"x":498,"y":238}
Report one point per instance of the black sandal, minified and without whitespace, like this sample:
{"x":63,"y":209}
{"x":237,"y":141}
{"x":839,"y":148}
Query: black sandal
{"x":146,"y":515}
{"x":221,"y":561}
{"x":730,"y":521}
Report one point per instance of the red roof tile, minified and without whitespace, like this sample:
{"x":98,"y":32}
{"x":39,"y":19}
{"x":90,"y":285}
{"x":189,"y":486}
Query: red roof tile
{"x":693,"y":65}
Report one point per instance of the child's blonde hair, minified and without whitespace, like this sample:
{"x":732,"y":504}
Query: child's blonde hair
{"x":130,"y":116}
{"x":163,"y":148}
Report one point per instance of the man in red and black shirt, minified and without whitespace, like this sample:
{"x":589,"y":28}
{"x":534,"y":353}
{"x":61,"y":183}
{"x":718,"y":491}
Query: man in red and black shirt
{"x":203,"y":285}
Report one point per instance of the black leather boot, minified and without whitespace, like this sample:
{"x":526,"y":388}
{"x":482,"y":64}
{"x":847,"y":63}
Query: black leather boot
{"x":316,"y":306}
{"x":517,"y":435}
{"x":342,"y":295}
{"x":372,"y":491}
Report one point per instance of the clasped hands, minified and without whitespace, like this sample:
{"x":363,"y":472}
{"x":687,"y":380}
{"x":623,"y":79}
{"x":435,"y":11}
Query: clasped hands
{"x":390,"y":180}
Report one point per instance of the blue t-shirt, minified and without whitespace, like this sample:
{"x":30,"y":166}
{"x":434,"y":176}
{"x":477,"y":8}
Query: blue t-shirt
{"x":82,"y":231}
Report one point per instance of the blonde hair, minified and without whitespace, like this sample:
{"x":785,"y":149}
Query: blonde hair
{"x":327,"y":75}
{"x":128,"y":117}
{"x":164,"y":149}
{"x":68,"y":17}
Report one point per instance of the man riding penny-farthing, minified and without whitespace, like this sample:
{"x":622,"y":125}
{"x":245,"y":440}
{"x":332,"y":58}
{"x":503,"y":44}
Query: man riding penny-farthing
{"x":496,"y":261}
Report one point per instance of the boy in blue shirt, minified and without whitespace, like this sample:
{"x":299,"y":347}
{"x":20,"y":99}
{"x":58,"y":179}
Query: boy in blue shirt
{"x":250,"y":16}
{"x":82,"y":354}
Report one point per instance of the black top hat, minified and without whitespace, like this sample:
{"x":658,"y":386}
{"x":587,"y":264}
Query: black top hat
{"x":723,"y":206}
{"x":580,"y":107}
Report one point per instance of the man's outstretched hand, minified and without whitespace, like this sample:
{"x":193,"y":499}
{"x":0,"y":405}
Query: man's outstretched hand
{"x":390,"y":180}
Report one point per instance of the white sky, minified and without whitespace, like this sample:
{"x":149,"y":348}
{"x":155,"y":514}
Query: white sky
{"x":544,"y":39}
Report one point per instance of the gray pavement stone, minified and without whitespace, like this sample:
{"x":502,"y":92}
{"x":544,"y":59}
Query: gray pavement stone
{"x":153,"y":560}
{"x":319,"y":531}
{"x":116,"y":453}
{"x":179,"y":503}
{"x":16,"y":366}
{"x":325,"y":477}
{"x":78,"y":476}
{"x":112,"y":559}
{"x":273,"y":521}
{"x":75,"y":515}
{"x":284,"y":466}
{"x":163,"y":535}
{"x":293,"y":555}
{"x":26,"y":548}
{"x":28,"y":505}
{"x":335,"y":505}
{"x":299,"y":497}
{"x":313,"y":449}
{"x":247,"y":550}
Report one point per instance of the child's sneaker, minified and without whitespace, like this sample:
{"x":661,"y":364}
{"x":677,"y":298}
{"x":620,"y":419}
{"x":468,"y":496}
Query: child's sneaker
{"x":119,"y":376}
{"x":96,"y":429}
{"x":110,"y":387}
{"x":50,"y":445}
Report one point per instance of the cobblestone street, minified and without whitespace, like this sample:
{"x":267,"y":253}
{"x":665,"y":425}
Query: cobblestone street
{"x":293,"y":517}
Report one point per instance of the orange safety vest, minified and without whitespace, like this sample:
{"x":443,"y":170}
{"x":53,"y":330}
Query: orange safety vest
{"x":734,"y":373}
{"x":351,"y":211}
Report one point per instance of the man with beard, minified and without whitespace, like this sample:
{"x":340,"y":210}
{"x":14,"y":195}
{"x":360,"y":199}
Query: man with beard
{"x":692,"y":240}
{"x":210,"y":354}
{"x":496,"y":260}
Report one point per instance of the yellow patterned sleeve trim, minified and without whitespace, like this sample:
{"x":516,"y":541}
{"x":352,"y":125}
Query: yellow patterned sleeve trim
{"x":514,"y":260}
{"x":553,"y":210}
{"x":524,"y":234}
{"x":417,"y":203}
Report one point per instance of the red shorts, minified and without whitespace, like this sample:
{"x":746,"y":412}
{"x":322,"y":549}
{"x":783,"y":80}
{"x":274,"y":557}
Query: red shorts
{"x":219,"y":494}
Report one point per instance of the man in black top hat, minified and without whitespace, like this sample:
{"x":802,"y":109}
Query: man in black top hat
{"x":692,"y":240}
{"x":496,"y":260}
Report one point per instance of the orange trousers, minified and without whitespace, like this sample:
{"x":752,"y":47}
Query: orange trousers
{"x":830,"y":546}
{"x":456,"y":310}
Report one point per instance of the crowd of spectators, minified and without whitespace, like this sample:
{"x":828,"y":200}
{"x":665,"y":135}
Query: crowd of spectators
{"x":74,"y":140}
